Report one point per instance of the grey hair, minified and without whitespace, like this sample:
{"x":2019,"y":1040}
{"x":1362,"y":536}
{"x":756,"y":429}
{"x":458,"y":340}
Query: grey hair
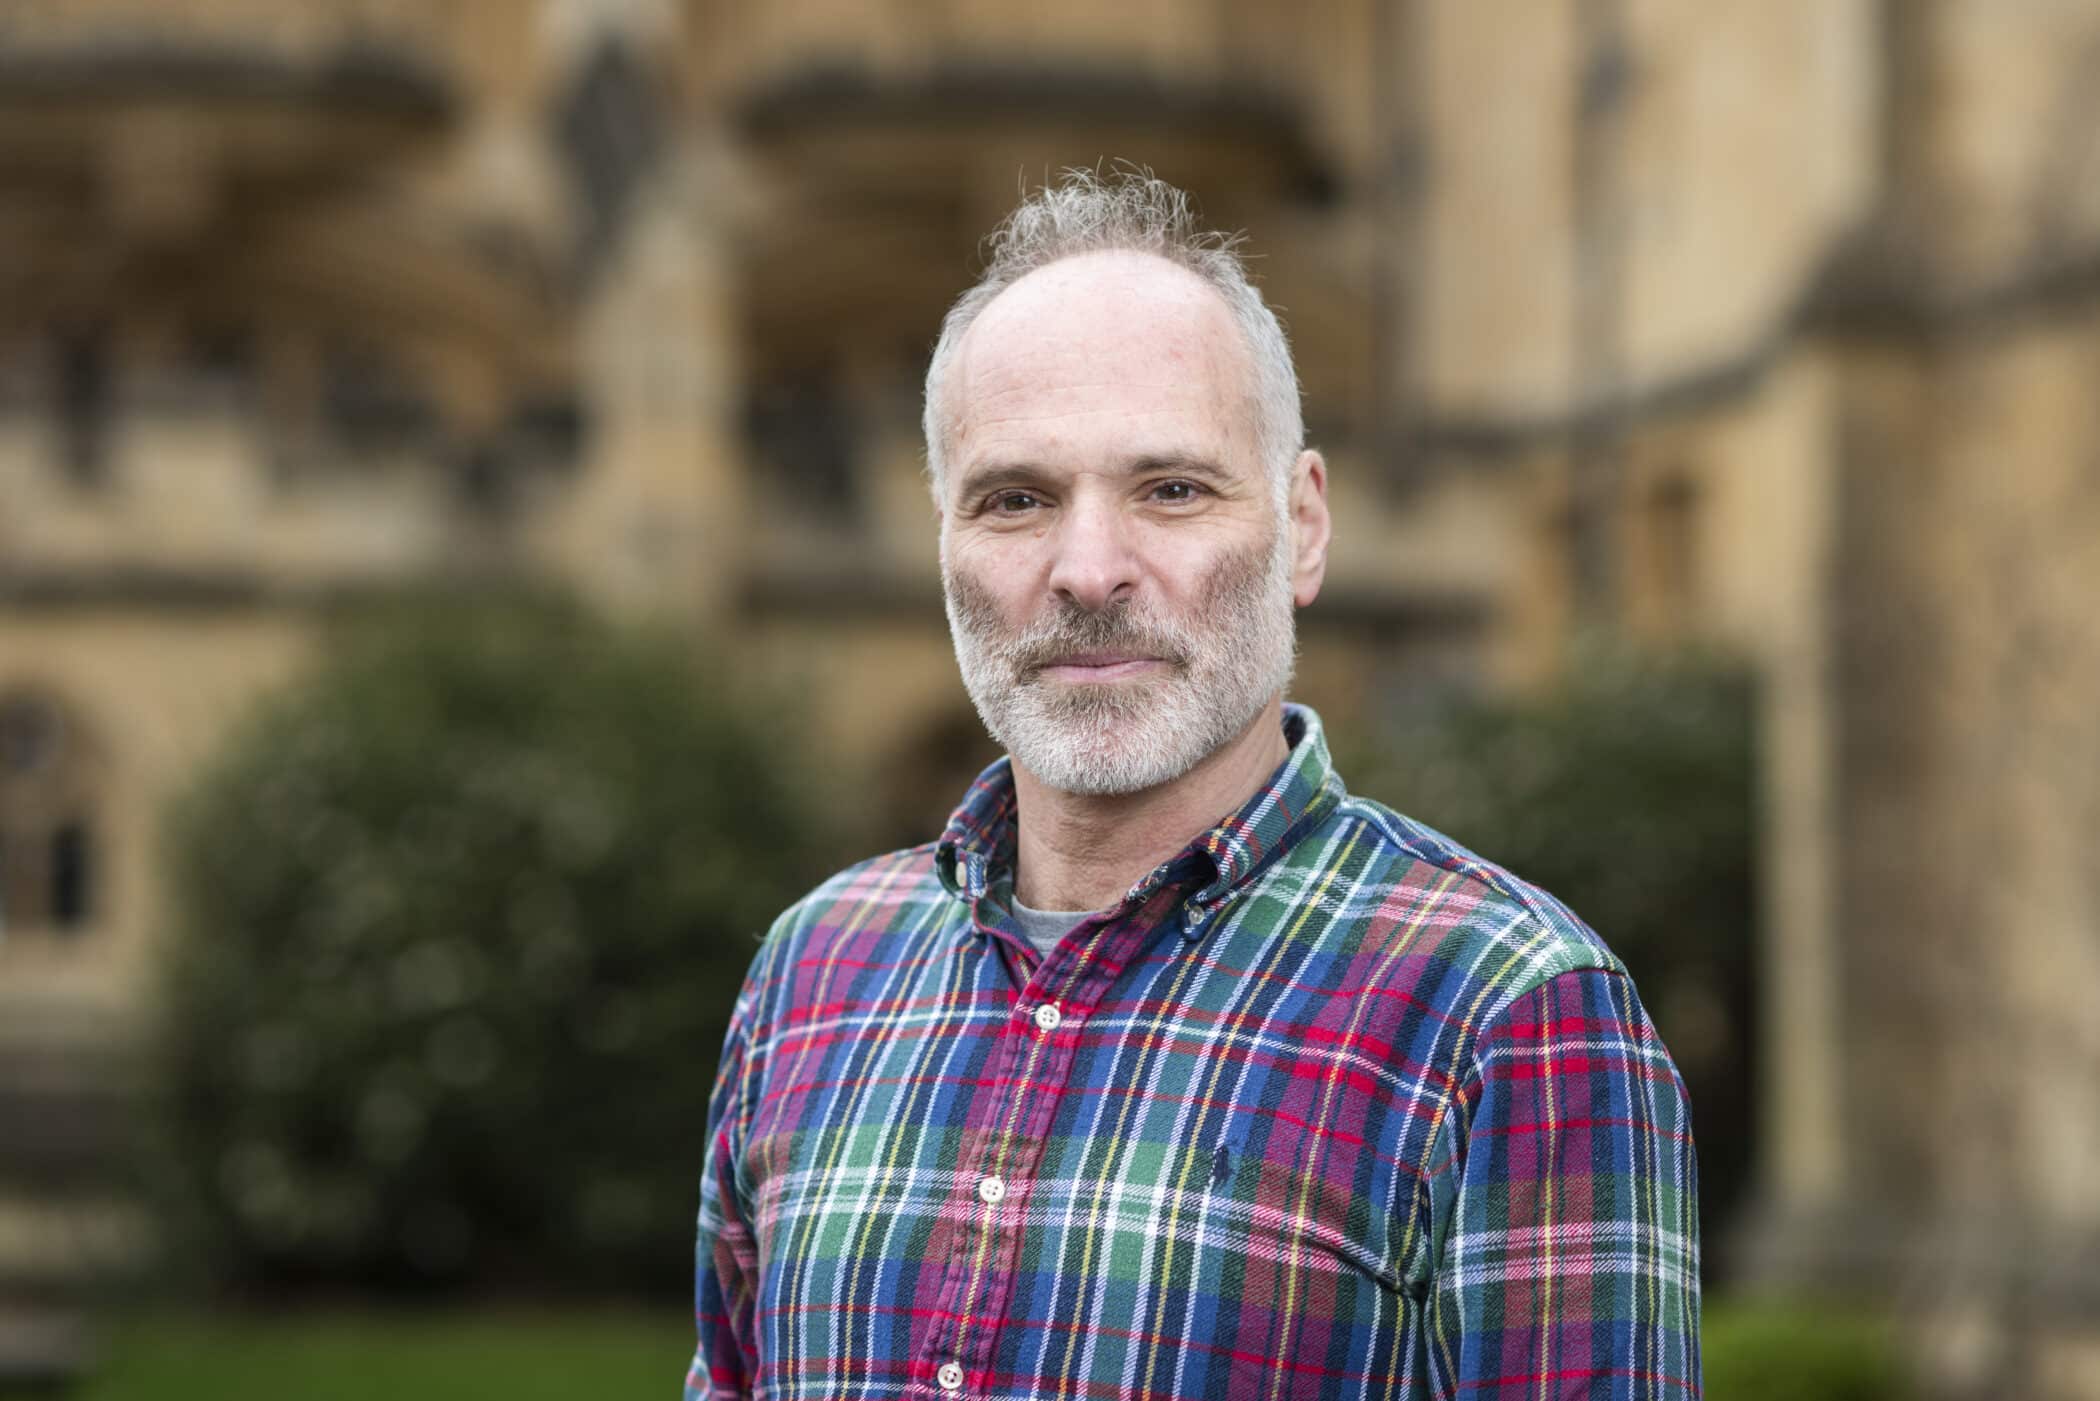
{"x":1127,"y":210}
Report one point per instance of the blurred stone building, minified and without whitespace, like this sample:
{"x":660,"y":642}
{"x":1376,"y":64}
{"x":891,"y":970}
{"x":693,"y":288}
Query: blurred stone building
{"x":1765,"y":322}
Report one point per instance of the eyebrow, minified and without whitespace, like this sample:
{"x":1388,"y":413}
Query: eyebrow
{"x":980,"y":480}
{"x":1177,"y":464}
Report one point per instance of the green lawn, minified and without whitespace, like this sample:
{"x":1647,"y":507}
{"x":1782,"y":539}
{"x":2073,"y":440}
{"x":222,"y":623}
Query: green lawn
{"x":1800,"y":1352}
{"x":342,"y":1356}
{"x":1753,"y":1353}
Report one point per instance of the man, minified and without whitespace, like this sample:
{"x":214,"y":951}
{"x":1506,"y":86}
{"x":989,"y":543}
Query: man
{"x":1171,"y":1069}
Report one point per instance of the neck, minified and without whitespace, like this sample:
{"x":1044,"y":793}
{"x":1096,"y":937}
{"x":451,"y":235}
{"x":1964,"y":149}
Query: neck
{"x":1077,"y":851}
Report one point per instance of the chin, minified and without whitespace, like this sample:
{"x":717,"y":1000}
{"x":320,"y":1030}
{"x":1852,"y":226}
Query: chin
{"x":1116,"y":738}
{"x":1136,"y":774}
{"x":1131,"y":759}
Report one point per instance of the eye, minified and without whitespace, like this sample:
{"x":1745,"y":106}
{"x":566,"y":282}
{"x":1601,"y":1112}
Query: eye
{"x":1176,"y":492}
{"x":1012,"y":502}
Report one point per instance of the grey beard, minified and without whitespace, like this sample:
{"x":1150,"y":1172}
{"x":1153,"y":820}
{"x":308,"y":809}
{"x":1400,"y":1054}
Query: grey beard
{"x":1129,"y":736}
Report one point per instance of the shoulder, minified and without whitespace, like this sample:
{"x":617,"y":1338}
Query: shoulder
{"x":1493,"y":936}
{"x":867,"y":892}
{"x":849,"y":915}
{"x":871,"y":899}
{"x":1506,"y":972}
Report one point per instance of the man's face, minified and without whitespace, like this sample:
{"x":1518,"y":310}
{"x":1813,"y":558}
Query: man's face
{"x":1119,"y":581}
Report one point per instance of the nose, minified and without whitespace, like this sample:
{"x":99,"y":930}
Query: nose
{"x":1094,"y":562}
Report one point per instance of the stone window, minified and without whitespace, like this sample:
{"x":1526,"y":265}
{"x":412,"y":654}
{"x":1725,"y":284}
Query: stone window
{"x":49,"y":869}
{"x":609,"y":128}
{"x":370,"y":407}
{"x":1670,"y":533}
{"x":85,"y":404}
{"x":804,"y":429}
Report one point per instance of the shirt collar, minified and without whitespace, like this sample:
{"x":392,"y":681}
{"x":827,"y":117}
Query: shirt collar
{"x":976,"y":852}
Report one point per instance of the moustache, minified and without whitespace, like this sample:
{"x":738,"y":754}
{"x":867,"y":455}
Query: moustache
{"x":1075,"y":632}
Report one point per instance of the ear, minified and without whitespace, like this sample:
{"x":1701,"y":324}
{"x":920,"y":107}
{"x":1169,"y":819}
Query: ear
{"x":1311,"y":527}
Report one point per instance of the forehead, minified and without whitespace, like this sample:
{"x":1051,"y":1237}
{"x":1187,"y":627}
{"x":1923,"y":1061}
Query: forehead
{"x":1117,"y":343}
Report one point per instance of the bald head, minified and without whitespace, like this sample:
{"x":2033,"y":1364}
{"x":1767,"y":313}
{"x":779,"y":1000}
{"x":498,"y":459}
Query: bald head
{"x":1123,"y":337}
{"x":1149,"y":222}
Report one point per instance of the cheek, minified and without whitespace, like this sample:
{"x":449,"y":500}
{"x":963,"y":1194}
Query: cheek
{"x":987,"y":553}
{"x":1004,"y":564}
{"x":1222,"y":561}
{"x":976,"y":602}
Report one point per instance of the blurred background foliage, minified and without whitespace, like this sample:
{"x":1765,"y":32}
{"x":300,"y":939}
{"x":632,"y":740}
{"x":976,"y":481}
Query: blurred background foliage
{"x":462,"y":915}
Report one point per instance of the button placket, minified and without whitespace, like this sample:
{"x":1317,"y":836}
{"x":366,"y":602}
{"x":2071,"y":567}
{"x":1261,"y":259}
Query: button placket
{"x":1029,"y":1073}
{"x":980,"y":1250}
{"x":1032,"y":1073}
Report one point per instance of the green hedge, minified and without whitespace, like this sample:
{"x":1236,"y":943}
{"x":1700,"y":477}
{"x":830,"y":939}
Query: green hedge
{"x":461,"y":916}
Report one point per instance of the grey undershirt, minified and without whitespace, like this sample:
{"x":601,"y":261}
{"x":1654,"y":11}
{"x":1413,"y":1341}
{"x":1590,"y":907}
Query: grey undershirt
{"x":1044,"y":928}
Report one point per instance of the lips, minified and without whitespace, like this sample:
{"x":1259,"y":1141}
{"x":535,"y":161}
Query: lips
{"x":1087,"y":667}
{"x":1098,"y":659}
{"x":1076,"y":647}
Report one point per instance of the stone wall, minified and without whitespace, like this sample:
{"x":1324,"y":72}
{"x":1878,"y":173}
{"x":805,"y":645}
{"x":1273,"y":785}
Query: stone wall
{"x":1965,"y":902}
{"x":1765,"y":322}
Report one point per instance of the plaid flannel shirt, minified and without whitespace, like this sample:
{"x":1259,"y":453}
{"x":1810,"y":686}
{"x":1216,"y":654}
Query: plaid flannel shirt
{"x":1327,"y":1106}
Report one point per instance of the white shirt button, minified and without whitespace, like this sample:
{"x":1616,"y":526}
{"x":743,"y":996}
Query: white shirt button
{"x":950,"y":1376}
{"x":1048,"y":1018}
{"x":991,"y":1189}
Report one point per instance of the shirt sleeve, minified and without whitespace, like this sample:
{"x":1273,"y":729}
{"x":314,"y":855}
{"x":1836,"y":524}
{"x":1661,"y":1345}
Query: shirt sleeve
{"x":1566,"y":1189}
{"x":725,"y":1258}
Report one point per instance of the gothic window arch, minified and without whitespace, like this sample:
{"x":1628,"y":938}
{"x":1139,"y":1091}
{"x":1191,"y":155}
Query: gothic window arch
{"x":49,"y":781}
